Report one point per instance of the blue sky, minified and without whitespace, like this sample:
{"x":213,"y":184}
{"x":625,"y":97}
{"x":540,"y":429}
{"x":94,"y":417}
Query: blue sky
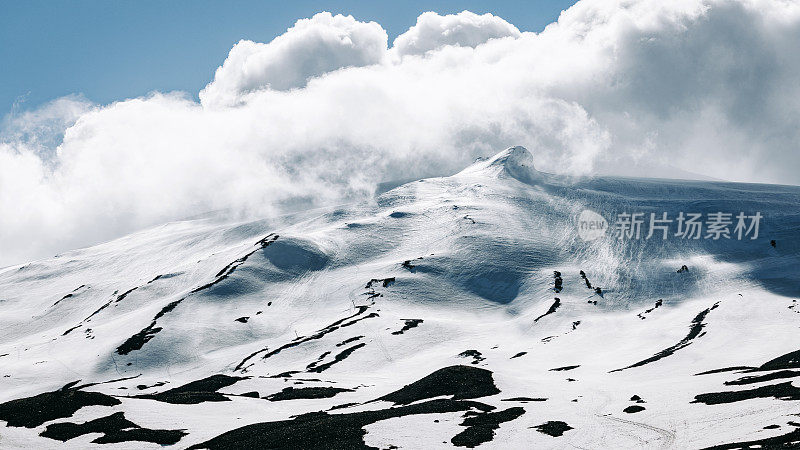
{"x":112,"y":50}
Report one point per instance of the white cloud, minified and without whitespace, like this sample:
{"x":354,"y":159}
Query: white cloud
{"x":324,"y":112}
{"x":465,"y":29}
{"x":309,"y":49}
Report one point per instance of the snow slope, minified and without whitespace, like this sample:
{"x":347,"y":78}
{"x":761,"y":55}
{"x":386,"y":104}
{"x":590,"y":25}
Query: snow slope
{"x":305,"y":335}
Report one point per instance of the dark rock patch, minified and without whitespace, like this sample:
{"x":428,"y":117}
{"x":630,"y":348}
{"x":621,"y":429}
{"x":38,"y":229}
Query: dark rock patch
{"x":523,"y":399}
{"x":125,"y":294}
{"x":558,"y":281}
{"x":320,"y":430}
{"x":461,"y":382}
{"x":336,"y":359}
{"x":766,"y":377}
{"x":300,"y":340}
{"x":633,"y":409}
{"x":385,"y":282}
{"x":70,"y":295}
{"x":565,"y":368}
{"x":658,"y":304}
{"x":137,"y":341}
{"x":199,"y":391}
{"x":409,"y":324}
{"x":474,"y":354}
{"x":789,"y":440}
{"x":552,"y":309}
{"x":481,"y":426}
{"x":349,"y":340}
{"x":585,"y":279}
{"x":519,"y":354}
{"x":30,"y":412}
{"x":408,"y":265}
{"x":115,"y":428}
{"x":286,"y":374}
{"x":291,"y":393}
{"x":725,"y":369}
{"x":790,"y":360}
{"x":695,"y":330}
{"x":226,"y":271}
{"x":142,"y":387}
{"x":782,"y":391}
{"x":555,"y":428}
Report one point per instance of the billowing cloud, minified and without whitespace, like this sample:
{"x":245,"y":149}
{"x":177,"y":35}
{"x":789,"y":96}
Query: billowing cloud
{"x":325,"y":111}
{"x":465,"y":29}
{"x":310,"y":48}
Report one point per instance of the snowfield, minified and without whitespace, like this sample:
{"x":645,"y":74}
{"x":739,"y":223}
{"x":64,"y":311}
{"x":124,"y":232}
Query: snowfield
{"x":429,"y":318}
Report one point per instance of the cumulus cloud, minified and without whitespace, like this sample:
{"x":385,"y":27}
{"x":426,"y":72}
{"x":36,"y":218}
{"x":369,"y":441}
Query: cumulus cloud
{"x":309,"y":49}
{"x":466,"y":29}
{"x":325,"y":111}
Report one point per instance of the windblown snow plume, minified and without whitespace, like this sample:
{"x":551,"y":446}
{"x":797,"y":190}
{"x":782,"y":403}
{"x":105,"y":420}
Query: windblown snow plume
{"x":327,"y":110}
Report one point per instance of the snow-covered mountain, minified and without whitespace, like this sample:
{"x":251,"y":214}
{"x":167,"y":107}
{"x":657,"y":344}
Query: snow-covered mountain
{"x":457,"y":311}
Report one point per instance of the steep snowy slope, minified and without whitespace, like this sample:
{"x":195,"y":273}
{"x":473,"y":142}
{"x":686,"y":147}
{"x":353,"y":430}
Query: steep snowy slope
{"x":452,"y":311}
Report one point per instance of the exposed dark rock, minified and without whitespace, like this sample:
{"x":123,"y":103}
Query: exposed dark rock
{"x":633,"y":409}
{"x":782,"y":391}
{"x":385,"y":282}
{"x":552,"y":309}
{"x":300,"y":340}
{"x":291,"y":393}
{"x":409,"y":324}
{"x":349,"y":340}
{"x":790,"y":360}
{"x":336,"y":359}
{"x":320,"y":430}
{"x":137,"y":341}
{"x":462,"y":382}
{"x":766,"y":377}
{"x":565,"y":368}
{"x":725,"y":369}
{"x":30,"y":412}
{"x":474,"y":354}
{"x":789,"y":440}
{"x":694,"y":331}
{"x":585,"y":279}
{"x":480,"y":427}
{"x":115,"y":428}
{"x":199,"y":391}
{"x":555,"y":428}
{"x":659,"y":302}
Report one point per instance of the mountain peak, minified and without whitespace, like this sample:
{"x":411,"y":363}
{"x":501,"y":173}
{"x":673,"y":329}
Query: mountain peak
{"x":516,"y":162}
